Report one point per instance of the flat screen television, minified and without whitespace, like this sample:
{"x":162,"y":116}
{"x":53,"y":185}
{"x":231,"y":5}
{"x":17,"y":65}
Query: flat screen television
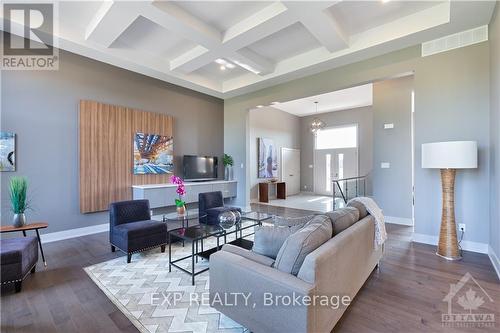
{"x":199,"y":168}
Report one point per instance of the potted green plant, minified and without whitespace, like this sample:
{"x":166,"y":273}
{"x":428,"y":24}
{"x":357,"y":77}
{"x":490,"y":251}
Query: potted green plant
{"x":18,"y":188}
{"x":228,"y":162}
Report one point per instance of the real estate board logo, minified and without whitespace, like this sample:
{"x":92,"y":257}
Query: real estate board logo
{"x":28,"y":36}
{"x":468,"y":305}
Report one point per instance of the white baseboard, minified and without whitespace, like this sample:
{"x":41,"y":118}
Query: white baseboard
{"x":398,"y":220}
{"x":466,"y":245}
{"x":494,"y":260}
{"x":72,"y":233}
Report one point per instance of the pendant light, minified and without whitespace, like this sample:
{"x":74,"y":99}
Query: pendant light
{"x":317,"y":124}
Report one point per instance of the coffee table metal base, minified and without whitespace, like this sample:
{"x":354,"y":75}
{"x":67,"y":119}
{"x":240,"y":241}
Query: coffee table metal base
{"x":194,"y":258}
{"x":198,"y":233}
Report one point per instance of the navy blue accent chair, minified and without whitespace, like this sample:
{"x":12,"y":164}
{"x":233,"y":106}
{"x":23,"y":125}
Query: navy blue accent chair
{"x":131,"y":229}
{"x":212,"y":204}
{"x":18,"y":257}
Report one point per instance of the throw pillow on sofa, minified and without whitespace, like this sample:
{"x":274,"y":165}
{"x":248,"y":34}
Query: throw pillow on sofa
{"x":269,"y":239}
{"x":298,"y":245}
{"x":281,"y":221}
{"x":343,"y":218}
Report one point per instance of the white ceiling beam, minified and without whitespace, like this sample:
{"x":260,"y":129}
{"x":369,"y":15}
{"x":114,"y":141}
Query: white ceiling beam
{"x":326,"y":30}
{"x":259,"y":25}
{"x":258,"y":63}
{"x":111,"y":20}
{"x":321,"y":24}
{"x":177,"y":20}
{"x":265,"y":22}
{"x":190,"y":62}
{"x":197,"y":52}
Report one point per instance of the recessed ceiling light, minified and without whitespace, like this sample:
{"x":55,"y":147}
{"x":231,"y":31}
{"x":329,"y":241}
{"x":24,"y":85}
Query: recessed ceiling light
{"x":222,"y":68}
{"x":260,"y":106}
{"x":230,"y":65}
{"x":275,"y":103}
{"x":220,"y":61}
{"x":385,"y":1}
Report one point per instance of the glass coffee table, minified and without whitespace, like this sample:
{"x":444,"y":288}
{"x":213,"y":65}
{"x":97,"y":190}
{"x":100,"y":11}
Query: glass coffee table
{"x":189,"y":215}
{"x":199,"y":233}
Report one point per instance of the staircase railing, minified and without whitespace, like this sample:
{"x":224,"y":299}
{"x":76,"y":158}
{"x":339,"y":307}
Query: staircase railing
{"x":343,"y":187}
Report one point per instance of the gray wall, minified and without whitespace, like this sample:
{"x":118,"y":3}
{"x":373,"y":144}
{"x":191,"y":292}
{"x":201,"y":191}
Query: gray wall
{"x":282,"y":127}
{"x":42,"y":108}
{"x":494,"y":35}
{"x":362,"y":116}
{"x":392,"y":187}
{"x":452,"y":103}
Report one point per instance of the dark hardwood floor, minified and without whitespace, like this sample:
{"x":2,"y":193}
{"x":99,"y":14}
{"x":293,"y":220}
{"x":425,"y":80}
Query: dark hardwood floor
{"x":405,"y":295}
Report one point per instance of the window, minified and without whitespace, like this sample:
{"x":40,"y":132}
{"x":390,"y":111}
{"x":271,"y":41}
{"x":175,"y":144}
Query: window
{"x":337,"y":137}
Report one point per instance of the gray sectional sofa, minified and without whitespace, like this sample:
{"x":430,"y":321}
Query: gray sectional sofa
{"x":248,"y":288}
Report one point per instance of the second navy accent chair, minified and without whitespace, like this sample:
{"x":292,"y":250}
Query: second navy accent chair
{"x":131,"y":229}
{"x":212,"y":204}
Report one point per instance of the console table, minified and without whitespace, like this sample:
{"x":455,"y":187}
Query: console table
{"x":164,"y":195}
{"x":264,"y":190}
{"x":31,"y":226}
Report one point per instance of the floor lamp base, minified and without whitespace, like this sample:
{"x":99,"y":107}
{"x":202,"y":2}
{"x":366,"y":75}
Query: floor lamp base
{"x":448,"y":247}
{"x":449,"y":258}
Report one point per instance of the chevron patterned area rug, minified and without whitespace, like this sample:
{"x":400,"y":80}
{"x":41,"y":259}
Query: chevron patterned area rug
{"x":155,"y":300}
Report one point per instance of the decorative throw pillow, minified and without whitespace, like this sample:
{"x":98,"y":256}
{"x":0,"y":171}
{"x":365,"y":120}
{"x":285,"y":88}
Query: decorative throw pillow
{"x":298,"y":245}
{"x":359,"y":206}
{"x":269,"y":239}
{"x":343,"y":218}
{"x":281,"y":221}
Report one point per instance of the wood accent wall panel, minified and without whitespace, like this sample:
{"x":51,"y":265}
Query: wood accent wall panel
{"x":106,"y":152}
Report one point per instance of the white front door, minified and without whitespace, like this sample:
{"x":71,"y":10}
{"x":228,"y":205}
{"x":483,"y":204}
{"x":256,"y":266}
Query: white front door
{"x":335,"y":157}
{"x":290,"y":170}
{"x":346,"y":166}
{"x":331,"y":164}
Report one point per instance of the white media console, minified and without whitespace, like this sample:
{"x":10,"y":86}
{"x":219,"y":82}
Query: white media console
{"x":163,"y":195}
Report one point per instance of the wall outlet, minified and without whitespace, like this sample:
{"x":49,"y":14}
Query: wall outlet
{"x":461,"y":227}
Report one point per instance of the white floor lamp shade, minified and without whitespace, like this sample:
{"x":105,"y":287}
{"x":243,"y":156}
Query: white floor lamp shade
{"x":449,"y":156}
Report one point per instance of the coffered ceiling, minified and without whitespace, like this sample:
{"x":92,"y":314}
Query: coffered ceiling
{"x":226,"y":48}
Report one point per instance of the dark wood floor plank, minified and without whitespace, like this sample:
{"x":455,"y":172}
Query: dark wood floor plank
{"x":405,"y":295}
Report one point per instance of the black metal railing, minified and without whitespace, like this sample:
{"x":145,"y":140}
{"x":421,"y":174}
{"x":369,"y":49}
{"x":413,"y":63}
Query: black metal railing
{"x":349,"y":188}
